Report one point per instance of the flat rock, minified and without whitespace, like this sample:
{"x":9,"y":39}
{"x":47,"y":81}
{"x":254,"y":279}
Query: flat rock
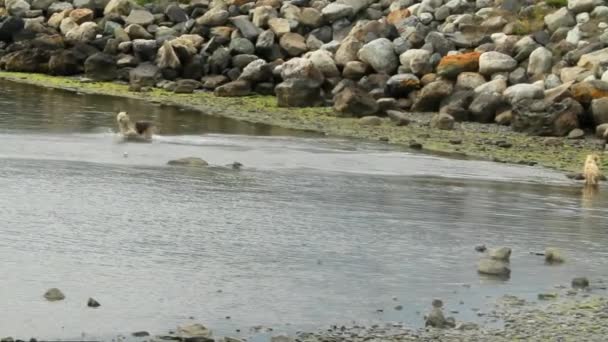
{"x":195,"y":162}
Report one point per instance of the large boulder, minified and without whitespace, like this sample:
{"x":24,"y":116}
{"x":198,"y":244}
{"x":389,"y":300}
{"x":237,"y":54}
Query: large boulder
{"x":301,"y":68}
{"x":431,"y":95}
{"x":485,"y":107}
{"x":140,"y":17}
{"x":145,"y":49}
{"x":298,"y":93}
{"x":324,"y":62}
{"x":64,"y":63}
{"x":470,"y":81}
{"x":599,"y":109}
{"x":27,"y":60}
{"x":354,"y":101}
{"x":82,"y":34}
{"x":144,"y":75}
{"x":256,"y":71}
{"x":536,"y":117}
{"x":585,"y":92}
{"x":522,"y":91}
{"x":591,"y":60}
{"x":540,"y":62}
{"x":101,"y":67}
{"x":492,"y":62}
{"x":234,"y":89}
{"x":453,"y":65}
{"x":457,"y":104}
{"x":9,"y":26}
{"x":214,"y":17}
{"x":493,"y":267}
{"x":167,"y":58}
{"x":558,"y":19}
{"x":401,"y":85}
{"x":380,"y":55}
{"x":246,"y":27}
{"x":293,"y":43}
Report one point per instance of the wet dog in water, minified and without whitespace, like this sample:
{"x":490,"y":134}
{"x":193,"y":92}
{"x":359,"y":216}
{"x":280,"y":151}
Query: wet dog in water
{"x":591,"y":170}
{"x":140,"y":131}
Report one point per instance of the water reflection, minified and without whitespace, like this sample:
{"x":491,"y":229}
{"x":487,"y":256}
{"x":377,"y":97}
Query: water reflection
{"x":24,"y":107}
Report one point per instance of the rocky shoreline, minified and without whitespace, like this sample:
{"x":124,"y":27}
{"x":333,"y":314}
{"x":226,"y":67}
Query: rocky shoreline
{"x":505,"y":80}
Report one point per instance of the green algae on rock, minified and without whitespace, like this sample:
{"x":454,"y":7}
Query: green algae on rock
{"x":478,"y":141}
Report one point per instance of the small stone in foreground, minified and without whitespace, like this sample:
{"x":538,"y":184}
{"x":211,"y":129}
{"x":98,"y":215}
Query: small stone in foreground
{"x":415,"y":145}
{"x":553,"y":256}
{"x":547,"y":296}
{"x":92,"y":303}
{"x":140,"y":334}
{"x":189,"y":161}
{"x":580,"y":283}
{"x":54,"y":294}
{"x":480,"y":248}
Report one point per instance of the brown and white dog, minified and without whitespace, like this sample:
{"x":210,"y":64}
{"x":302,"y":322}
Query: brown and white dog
{"x":140,"y":131}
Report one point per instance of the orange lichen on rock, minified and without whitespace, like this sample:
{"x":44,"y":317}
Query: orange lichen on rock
{"x":585,"y":92}
{"x":397,"y":15}
{"x":451,"y":66}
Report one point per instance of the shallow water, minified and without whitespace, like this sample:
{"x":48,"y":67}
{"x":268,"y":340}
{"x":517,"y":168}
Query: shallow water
{"x":312,"y":232}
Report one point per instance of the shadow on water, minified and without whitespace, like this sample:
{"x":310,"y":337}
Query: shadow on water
{"x":25,"y":107}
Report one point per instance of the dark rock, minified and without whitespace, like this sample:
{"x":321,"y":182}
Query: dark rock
{"x":144,"y":75}
{"x":431,"y":95}
{"x":219,"y":61}
{"x":241,"y":61}
{"x":297,"y":92}
{"x":580,"y":283}
{"x":257,"y":71}
{"x":485,"y":106}
{"x":176,"y":14}
{"x":353,"y":101}
{"x":535,"y":117}
{"x":241,"y":46}
{"x":480,"y":248}
{"x":248,"y":30}
{"x":415,"y":145}
{"x":145,"y":49}
{"x":195,"y":68}
{"x":265,"y":88}
{"x":442,"y":122}
{"x":64,"y":63}
{"x":212,"y":82}
{"x":100,"y":67}
{"x":401,"y":85}
{"x":457,"y":104}
{"x":92,"y":303}
{"x":186,"y":86}
{"x":30,"y":60}
{"x":140,"y":334}
{"x":399,"y":118}
{"x":234,"y":89}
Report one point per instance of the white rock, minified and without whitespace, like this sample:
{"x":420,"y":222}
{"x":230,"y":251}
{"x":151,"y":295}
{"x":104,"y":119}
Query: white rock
{"x":540,"y":61}
{"x":522,"y":91}
{"x":492,"y":62}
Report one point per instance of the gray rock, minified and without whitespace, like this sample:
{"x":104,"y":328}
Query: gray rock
{"x":167,"y":58}
{"x":553,"y":256}
{"x":578,"y":6}
{"x":410,"y":56}
{"x":431,"y":95}
{"x":293,"y":43}
{"x":54,"y":294}
{"x":370,"y":120}
{"x":353,"y":101}
{"x":522,"y":91}
{"x":485,"y":106}
{"x":248,"y":30}
{"x":311,"y":17}
{"x":324,"y":62}
{"x":214,"y":81}
{"x":470,"y":81}
{"x":176,"y":14}
{"x":301,"y":68}
{"x":100,"y":67}
{"x":145,"y":49}
{"x":457,"y":104}
{"x":540,"y":62}
{"x":580,"y":283}
{"x":440,"y":43}
{"x":279,"y":26}
{"x":535,"y":117}
{"x":17,"y":7}
{"x":256,"y":71}
{"x":493,"y":267}
{"x":401,"y":85}
{"x":436,"y":319}
{"x":335,"y":11}
{"x":219,"y":61}
{"x":576,"y":134}
{"x":186,"y":86}
{"x":233,"y":89}
{"x":144,"y":75}
{"x":241,"y":61}
{"x":137,"y":32}
{"x":298,"y":93}
{"x":599,"y":110}
{"x":41,"y":4}
{"x":214,"y":17}
{"x":399,"y":118}
{"x":121,"y":7}
{"x":493,"y":62}
{"x":92,"y":303}
{"x":559,"y":18}
{"x":57,"y":7}
{"x":241,"y":46}
{"x":380,"y":55}
{"x":262,"y":14}
{"x":354,"y":70}
{"x":140,"y":17}
{"x":442,"y":121}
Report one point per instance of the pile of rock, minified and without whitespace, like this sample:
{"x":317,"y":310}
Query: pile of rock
{"x":540,"y":68}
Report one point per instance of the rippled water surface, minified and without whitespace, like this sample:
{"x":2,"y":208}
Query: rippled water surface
{"x":313,"y":231}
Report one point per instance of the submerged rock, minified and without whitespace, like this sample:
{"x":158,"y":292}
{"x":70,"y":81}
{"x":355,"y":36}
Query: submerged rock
{"x":580,"y":283}
{"x":493,"y":267}
{"x":92,"y":303}
{"x":54,"y":294}
{"x":189,"y":161}
{"x":553,"y":256}
{"x":502,"y":253}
